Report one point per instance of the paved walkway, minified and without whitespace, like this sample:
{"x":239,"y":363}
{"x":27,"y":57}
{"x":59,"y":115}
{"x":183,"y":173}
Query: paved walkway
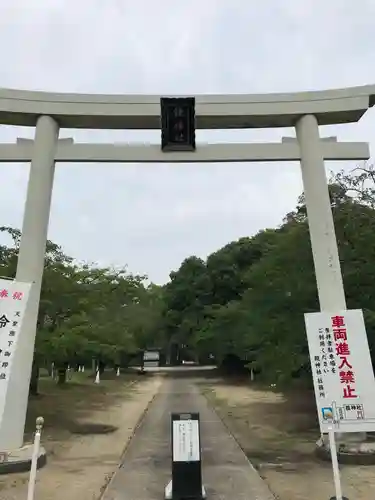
{"x":145,"y":471}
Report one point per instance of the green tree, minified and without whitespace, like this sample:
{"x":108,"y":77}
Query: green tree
{"x":87,"y":311}
{"x":257,"y":289}
{"x":359,"y":183}
{"x":185,"y":298}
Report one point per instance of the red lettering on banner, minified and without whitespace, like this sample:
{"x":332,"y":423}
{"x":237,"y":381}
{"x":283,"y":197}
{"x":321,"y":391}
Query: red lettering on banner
{"x":337,"y":321}
{"x":349,"y":392}
{"x":347,"y":377}
{"x":342,"y":349}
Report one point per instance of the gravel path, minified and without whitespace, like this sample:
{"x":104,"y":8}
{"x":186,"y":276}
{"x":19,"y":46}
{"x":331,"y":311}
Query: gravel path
{"x":145,"y":471}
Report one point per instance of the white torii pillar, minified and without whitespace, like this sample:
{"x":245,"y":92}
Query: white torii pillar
{"x":318,"y":205}
{"x":30,"y":269}
{"x":321,"y":226}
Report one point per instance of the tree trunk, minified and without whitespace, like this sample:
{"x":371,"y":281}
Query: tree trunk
{"x":33,"y":387}
{"x":61,"y":376}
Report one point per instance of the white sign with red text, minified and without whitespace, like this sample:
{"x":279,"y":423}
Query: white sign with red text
{"x":13,"y":299}
{"x":342,"y":370}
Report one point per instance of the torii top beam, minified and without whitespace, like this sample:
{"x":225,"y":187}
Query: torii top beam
{"x":100,"y":111}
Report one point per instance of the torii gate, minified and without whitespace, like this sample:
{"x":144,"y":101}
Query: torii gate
{"x":48,"y":112}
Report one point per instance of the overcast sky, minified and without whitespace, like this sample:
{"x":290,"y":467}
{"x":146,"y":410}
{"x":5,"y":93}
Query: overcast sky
{"x":151,"y":217}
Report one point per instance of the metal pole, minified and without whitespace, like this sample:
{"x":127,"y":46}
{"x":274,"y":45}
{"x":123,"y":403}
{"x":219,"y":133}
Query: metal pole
{"x":34,"y":460}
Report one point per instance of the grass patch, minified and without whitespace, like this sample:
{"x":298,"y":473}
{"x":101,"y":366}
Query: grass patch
{"x":65,"y":407}
{"x":270,"y":426}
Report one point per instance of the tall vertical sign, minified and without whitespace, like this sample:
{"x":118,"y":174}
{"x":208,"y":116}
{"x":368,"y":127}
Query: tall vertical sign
{"x":186,"y":483}
{"x":13,"y":299}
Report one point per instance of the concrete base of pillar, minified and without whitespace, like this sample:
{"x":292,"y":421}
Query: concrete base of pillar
{"x":348,"y":452}
{"x":20,"y":460}
{"x":168,"y":492}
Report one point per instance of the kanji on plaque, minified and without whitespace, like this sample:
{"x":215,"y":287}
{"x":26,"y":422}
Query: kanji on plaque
{"x":342,"y":370}
{"x":346,"y":374}
{"x":4,"y":321}
{"x":17,"y":295}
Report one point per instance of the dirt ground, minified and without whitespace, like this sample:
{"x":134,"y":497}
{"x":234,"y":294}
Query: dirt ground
{"x":278,"y":431}
{"x":82,"y":453}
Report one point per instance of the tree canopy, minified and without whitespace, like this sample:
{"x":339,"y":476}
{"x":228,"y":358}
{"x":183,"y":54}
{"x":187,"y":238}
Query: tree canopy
{"x":88,"y":312}
{"x":248,"y":298}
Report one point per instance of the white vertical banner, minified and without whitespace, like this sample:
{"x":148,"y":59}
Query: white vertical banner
{"x":13,"y":299}
{"x":342,"y":371}
{"x":186,"y":441}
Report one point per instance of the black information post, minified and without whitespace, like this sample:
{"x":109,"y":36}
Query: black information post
{"x":186,"y":481}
